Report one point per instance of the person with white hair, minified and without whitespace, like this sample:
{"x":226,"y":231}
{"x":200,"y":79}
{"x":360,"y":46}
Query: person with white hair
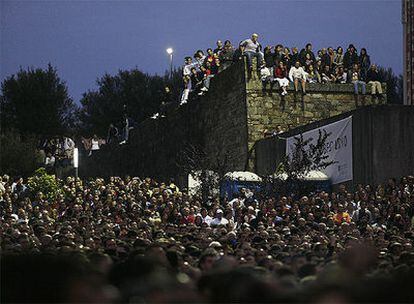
{"x":252,"y":48}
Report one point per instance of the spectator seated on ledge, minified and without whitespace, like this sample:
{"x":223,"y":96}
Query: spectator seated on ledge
{"x":281,"y":76}
{"x":357,"y":80}
{"x":226,"y":55}
{"x":373,"y":79}
{"x":252,"y":50}
{"x":265,"y":77}
{"x":298,"y":75}
{"x":312,"y":75}
{"x":327,"y":75}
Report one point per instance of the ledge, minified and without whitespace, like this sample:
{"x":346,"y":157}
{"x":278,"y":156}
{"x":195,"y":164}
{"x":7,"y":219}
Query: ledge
{"x":255,"y":85}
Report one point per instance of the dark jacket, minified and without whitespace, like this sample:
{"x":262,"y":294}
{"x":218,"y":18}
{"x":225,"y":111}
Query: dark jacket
{"x":302,"y":56}
{"x":238,"y":55}
{"x":269,"y":59}
{"x":326,"y":60}
{"x":373,"y":75}
{"x":350,"y":59}
{"x":196,"y":80}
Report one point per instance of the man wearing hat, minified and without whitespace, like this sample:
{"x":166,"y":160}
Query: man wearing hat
{"x":219,"y":219}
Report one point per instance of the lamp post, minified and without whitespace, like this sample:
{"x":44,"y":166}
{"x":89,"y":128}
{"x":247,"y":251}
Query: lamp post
{"x":170,"y":52}
{"x":76,"y":161}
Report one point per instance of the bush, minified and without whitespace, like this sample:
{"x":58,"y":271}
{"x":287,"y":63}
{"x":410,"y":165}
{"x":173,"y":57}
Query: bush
{"x":45,"y":183}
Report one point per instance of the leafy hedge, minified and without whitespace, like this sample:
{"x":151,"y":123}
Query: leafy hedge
{"x":45,"y":183}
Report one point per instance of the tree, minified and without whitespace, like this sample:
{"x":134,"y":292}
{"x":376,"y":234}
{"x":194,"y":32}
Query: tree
{"x":36,"y":101}
{"x":305,"y":157}
{"x":394,"y":85}
{"x":209,"y":171}
{"x":18,"y":155}
{"x":133,"y":92}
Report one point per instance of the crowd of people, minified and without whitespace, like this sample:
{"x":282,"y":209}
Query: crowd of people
{"x":283,"y":65}
{"x":139,"y":240}
{"x":56,"y":152}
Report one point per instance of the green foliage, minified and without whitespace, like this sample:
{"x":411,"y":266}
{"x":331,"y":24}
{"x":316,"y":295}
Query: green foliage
{"x":140,"y":94}
{"x":36,"y":101}
{"x":306,"y":156}
{"x":18,"y":154}
{"x":45,"y":183}
{"x":192,"y":159}
{"x":394,"y":85}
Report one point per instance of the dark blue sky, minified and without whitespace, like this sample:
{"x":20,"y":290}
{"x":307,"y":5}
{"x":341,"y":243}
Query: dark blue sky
{"x":85,"y":39}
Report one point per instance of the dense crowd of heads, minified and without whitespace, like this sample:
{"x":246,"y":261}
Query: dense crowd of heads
{"x":138,"y":240}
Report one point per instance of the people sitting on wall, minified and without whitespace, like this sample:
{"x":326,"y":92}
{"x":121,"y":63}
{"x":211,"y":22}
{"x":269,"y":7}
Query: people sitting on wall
{"x":312,"y":75}
{"x":239,"y":53}
{"x":281,"y":76}
{"x":358,"y":81}
{"x":186,"y":88}
{"x":327,"y":75}
{"x":266,"y":78}
{"x":298,"y":76}
{"x":92,"y":145}
{"x":373,"y":79}
{"x":341,"y":76}
{"x":196,"y":78}
{"x":350,"y":58}
{"x":226,"y":55}
{"x":95,"y":145}
{"x":127,"y":126}
{"x":306,"y":54}
{"x":113,"y":135}
{"x":364,"y":62}
{"x":330,"y":66}
{"x":252,"y":49}
{"x":57,"y":152}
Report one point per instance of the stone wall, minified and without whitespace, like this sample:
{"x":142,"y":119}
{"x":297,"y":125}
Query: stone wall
{"x":225,"y":124}
{"x":215,"y":123}
{"x":322,"y":101}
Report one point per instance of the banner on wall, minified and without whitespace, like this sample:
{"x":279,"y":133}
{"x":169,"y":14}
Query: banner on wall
{"x":339,"y":148}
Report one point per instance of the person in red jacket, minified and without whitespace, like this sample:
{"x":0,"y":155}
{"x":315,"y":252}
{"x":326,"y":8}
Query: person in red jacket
{"x":280,"y":75}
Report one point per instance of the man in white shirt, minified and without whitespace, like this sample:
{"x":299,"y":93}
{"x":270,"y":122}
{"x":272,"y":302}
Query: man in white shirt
{"x":188,"y":64}
{"x":253,"y":49}
{"x":296,"y":74}
{"x":219,"y":219}
{"x":206,"y":218}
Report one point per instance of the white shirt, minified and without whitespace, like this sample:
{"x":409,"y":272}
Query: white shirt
{"x":187,"y":69}
{"x":95,"y":144}
{"x":50,"y":161}
{"x":68,"y":144}
{"x":207,"y":219}
{"x":264,"y":73}
{"x":216,"y":221}
{"x":251,"y":46}
{"x":297,"y":73}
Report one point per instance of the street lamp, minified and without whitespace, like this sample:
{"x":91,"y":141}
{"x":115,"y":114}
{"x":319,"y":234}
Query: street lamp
{"x":76,"y":161}
{"x":170,"y":52}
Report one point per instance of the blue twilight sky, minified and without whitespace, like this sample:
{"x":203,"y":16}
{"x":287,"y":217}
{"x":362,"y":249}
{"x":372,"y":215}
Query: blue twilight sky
{"x":85,"y":39}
